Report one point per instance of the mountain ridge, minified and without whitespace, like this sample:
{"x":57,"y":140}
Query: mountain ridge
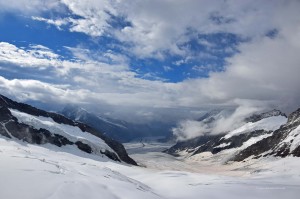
{"x":269,"y":133}
{"x":40,"y":136}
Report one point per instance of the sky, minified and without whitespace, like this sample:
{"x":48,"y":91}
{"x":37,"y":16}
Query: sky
{"x":151,"y":58}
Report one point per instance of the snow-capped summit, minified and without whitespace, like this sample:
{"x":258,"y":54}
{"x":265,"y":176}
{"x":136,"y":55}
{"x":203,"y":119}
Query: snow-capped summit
{"x":35,"y":126}
{"x":283,"y":142}
{"x":269,"y":133}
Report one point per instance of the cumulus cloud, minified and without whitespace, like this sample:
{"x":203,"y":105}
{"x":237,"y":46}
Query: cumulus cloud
{"x":56,"y":22}
{"x":36,"y":56}
{"x":264,"y":70}
{"x":188,"y":129}
{"x":156,"y":27}
{"x":28,"y":6}
{"x":112,"y":83}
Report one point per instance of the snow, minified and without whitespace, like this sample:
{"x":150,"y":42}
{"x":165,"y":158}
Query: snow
{"x":254,"y":140}
{"x":294,"y":138}
{"x":35,"y":172}
{"x":222,"y":145}
{"x":181,"y":178}
{"x":70,"y":132}
{"x":267,"y":124}
{"x":223,"y":157}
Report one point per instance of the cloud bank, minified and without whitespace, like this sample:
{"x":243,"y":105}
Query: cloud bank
{"x":265,"y":70}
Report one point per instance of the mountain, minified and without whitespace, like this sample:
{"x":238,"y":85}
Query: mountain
{"x":115,"y":129}
{"x":29,"y":124}
{"x":264,"y":134}
{"x":283,"y":142}
{"x":119,"y":130}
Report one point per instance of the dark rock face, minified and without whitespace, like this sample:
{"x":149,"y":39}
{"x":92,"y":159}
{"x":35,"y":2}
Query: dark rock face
{"x":84,"y":147}
{"x":116,"y":146}
{"x":205,"y":141}
{"x":296,"y":152}
{"x":5,"y":116}
{"x":6,"y":102}
{"x":278,"y":143}
{"x":3,"y":132}
{"x":111,"y":155}
{"x":213,"y":143}
{"x":235,"y":142}
{"x":10,"y":127}
{"x":273,"y":143}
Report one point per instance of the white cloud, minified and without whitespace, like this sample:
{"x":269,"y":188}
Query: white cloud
{"x":167,"y":68}
{"x":29,"y":6}
{"x":265,"y":69}
{"x":189,"y":129}
{"x":36,"y":56}
{"x":95,"y":15}
{"x":33,"y":57}
{"x":223,"y":121}
{"x":161,"y":27}
{"x":56,"y":22}
{"x":111,"y":83}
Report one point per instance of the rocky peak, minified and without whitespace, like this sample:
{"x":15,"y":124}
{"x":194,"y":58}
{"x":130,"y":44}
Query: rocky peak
{"x":279,"y":144}
{"x":294,"y":117}
{"x":4,"y":113}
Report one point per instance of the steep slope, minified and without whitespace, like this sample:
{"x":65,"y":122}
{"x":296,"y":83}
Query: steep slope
{"x":36,"y":126}
{"x":283,"y":142}
{"x":256,"y":128}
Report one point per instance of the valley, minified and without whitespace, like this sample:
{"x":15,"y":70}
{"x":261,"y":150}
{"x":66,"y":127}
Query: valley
{"x":59,"y":173}
{"x":46,"y":155}
{"x":149,"y":99}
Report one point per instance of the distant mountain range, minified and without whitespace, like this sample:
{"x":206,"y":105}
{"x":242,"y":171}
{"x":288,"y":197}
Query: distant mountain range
{"x":19,"y":121}
{"x":265,"y":134}
{"x":269,"y":133}
{"x":117,"y":129}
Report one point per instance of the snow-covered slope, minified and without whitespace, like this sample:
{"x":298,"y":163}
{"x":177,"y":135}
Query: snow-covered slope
{"x":293,"y":138}
{"x":184,"y":178}
{"x":283,"y":142}
{"x":255,"y":129}
{"x":268,"y":124}
{"x":35,"y":126}
{"x":34,"y":172}
{"x":72,"y":133}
